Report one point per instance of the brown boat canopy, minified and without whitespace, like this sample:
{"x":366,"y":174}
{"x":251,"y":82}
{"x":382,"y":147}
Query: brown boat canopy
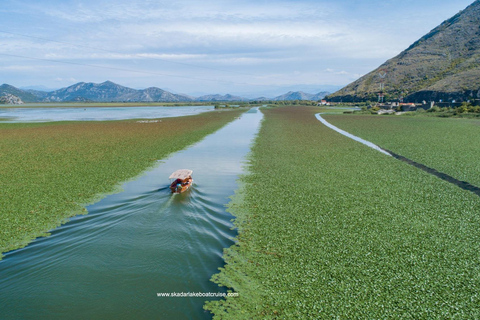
{"x":181,"y":174}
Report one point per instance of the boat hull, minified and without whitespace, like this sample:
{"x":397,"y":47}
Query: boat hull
{"x":180,"y":186}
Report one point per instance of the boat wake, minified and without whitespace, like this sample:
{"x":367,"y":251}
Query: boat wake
{"x":136,"y":243}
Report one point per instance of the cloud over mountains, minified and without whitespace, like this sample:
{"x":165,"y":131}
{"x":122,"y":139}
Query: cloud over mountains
{"x":211,"y":46}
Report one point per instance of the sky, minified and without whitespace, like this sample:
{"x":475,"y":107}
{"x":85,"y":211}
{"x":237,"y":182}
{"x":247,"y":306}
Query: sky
{"x":246,"y":47}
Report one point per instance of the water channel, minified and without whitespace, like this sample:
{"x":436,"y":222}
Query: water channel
{"x":112,"y":262}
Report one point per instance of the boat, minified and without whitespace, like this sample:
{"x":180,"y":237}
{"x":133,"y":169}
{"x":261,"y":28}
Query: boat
{"x":182,"y":180}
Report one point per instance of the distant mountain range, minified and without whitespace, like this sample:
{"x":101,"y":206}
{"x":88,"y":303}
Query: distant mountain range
{"x":299,"y":95}
{"x":112,"y":92}
{"x":444,"y":64}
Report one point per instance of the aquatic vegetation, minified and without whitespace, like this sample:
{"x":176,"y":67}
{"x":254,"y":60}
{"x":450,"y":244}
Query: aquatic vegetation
{"x":448,"y":145}
{"x":329,"y":228}
{"x":148,"y":241}
{"x":49,"y":171}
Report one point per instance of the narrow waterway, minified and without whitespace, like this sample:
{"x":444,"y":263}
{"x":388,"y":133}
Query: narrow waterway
{"x":111,"y":263}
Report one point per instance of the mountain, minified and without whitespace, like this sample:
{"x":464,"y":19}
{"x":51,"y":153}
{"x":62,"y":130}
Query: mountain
{"x":299,"y":95}
{"x":320,"y":95}
{"x":277,"y":90}
{"x":217,"y":97}
{"x":6,"y":89}
{"x":443,"y":64}
{"x":112,"y":92}
{"x":108,"y":91}
{"x":102,"y":92}
{"x":156,"y":94}
{"x":39,"y":95}
{"x":261,"y":99}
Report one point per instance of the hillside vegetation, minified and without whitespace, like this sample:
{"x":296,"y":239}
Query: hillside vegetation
{"x":444,"y":64}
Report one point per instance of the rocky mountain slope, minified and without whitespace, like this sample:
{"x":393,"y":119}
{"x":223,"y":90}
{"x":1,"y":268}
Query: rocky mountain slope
{"x":8,"y":98}
{"x":444,"y":64}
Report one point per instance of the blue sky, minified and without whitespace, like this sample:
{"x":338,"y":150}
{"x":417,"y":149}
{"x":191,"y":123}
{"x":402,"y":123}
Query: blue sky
{"x":261,"y":47}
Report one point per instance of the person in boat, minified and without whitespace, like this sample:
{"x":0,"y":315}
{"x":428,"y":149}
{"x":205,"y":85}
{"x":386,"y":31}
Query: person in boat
{"x":182,"y":182}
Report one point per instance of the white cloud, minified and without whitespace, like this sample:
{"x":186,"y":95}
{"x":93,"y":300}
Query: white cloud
{"x":220,"y":10}
{"x":324,"y":41}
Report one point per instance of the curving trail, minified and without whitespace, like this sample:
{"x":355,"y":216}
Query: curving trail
{"x":351,"y":136}
{"x":461,"y":184}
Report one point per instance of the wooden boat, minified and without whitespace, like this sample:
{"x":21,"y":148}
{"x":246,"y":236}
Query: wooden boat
{"x":182,"y":180}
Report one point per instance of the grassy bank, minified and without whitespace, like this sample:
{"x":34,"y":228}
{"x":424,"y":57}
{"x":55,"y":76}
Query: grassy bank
{"x":448,"y":145}
{"x":48,"y":171}
{"x":329,"y":228}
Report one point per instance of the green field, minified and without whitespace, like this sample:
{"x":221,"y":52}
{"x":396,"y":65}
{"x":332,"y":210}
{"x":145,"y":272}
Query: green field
{"x":329,"y":228}
{"x":448,"y":145}
{"x":49,"y":171}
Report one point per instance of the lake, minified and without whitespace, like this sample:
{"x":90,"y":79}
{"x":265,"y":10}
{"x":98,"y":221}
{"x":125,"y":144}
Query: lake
{"x":96,"y":113}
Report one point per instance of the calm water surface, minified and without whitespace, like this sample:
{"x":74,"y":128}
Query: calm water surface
{"x":96,"y":113}
{"x":111,"y":263}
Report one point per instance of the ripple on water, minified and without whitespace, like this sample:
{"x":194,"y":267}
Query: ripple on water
{"x":112,"y":262}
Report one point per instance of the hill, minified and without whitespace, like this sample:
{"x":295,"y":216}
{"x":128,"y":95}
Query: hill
{"x":156,"y":94}
{"x":106,"y":91}
{"x":109,"y":91}
{"x":8,"y":90}
{"x":443,"y":64}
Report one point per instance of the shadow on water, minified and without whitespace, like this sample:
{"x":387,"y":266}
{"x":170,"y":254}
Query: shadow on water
{"x":111,"y":263}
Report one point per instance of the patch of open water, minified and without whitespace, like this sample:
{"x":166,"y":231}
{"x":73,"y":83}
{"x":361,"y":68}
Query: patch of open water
{"x":96,"y":113}
{"x":112,"y":262}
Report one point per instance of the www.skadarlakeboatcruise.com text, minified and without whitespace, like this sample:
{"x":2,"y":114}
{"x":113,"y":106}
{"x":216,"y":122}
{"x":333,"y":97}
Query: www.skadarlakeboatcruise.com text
{"x":196,"y":294}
